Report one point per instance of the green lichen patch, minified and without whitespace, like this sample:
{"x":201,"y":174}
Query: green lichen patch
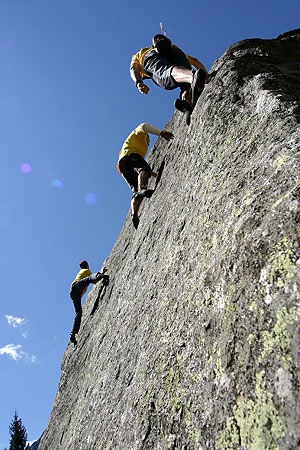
{"x":255,"y":423}
{"x":280,"y":161}
{"x":283,"y":264}
{"x":278,"y":339}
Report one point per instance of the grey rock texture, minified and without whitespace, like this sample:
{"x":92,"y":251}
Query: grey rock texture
{"x":35,"y":445}
{"x":194,"y":345}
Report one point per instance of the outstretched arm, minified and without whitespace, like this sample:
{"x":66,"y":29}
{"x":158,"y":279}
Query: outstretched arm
{"x":147,"y":128}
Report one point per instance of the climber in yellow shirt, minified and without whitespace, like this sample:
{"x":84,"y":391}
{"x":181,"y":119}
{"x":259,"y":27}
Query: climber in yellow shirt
{"x":79,"y":287}
{"x":170,"y":68}
{"x":133,"y":167}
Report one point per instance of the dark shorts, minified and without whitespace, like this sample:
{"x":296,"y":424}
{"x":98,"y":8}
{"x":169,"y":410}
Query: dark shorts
{"x":130,"y":166}
{"x":160,"y":67}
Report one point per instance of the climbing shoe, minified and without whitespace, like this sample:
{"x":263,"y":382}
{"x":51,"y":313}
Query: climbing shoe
{"x":197,"y":85}
{"x":135,"y":220}
{"x":73,"y":339}
{"x":182,"y":105}
{"x":105,"y":280}
{"x":144,"y":193}
{"x":185,"y":107}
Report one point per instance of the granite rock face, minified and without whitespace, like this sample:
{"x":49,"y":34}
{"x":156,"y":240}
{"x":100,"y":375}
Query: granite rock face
{"x":195,"y":343}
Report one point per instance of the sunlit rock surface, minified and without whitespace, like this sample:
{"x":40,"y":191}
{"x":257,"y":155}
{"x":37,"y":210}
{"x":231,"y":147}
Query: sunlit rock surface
{"x":194,"y":345}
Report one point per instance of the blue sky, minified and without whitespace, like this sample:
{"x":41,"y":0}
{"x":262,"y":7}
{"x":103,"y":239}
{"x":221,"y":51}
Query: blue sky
{"x":67,"y":103}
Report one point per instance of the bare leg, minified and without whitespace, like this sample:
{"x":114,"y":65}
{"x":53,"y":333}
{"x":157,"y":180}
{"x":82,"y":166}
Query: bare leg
{"x":143,"y":180}
{"x":187,"y":96}
{"x":182,"y":75}
{"x":136,"y":201}
{"x":135,"y":205}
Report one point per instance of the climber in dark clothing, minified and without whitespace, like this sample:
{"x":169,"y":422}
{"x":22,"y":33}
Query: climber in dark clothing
{"x":79,"y":287}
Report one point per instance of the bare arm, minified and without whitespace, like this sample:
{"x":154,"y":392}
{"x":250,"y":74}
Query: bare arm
{"x":137,"y":79}
{"x":135,"y":72}
{"x":148,"y":128}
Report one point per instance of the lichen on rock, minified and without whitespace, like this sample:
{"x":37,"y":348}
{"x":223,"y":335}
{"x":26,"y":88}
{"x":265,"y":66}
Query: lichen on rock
{"x":194,"y":345}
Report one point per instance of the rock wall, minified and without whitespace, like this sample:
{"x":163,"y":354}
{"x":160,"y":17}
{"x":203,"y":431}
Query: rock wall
{"x":194,"y":345}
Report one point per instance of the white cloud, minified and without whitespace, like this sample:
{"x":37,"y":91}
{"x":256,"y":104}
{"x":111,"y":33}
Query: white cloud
{"x":11,"y":350}
{"x":14,"y":321}
{"x":15,"y":352}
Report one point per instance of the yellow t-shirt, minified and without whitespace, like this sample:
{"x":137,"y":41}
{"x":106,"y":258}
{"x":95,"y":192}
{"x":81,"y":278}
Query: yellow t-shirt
{"x":82,"y":274}
{"x":138,"y":60}
{"x":138,"y":141}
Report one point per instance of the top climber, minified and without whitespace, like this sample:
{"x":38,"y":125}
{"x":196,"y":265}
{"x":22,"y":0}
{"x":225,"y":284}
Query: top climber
{"x":169,"y":68}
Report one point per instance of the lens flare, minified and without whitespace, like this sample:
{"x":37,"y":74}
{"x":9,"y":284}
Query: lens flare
{"x":91,"y":199}
{"x":26,"y":168}
{"x":57,"y":183}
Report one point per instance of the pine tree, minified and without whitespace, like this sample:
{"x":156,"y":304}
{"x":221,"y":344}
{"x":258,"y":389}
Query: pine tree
{"x":18,"y":435}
